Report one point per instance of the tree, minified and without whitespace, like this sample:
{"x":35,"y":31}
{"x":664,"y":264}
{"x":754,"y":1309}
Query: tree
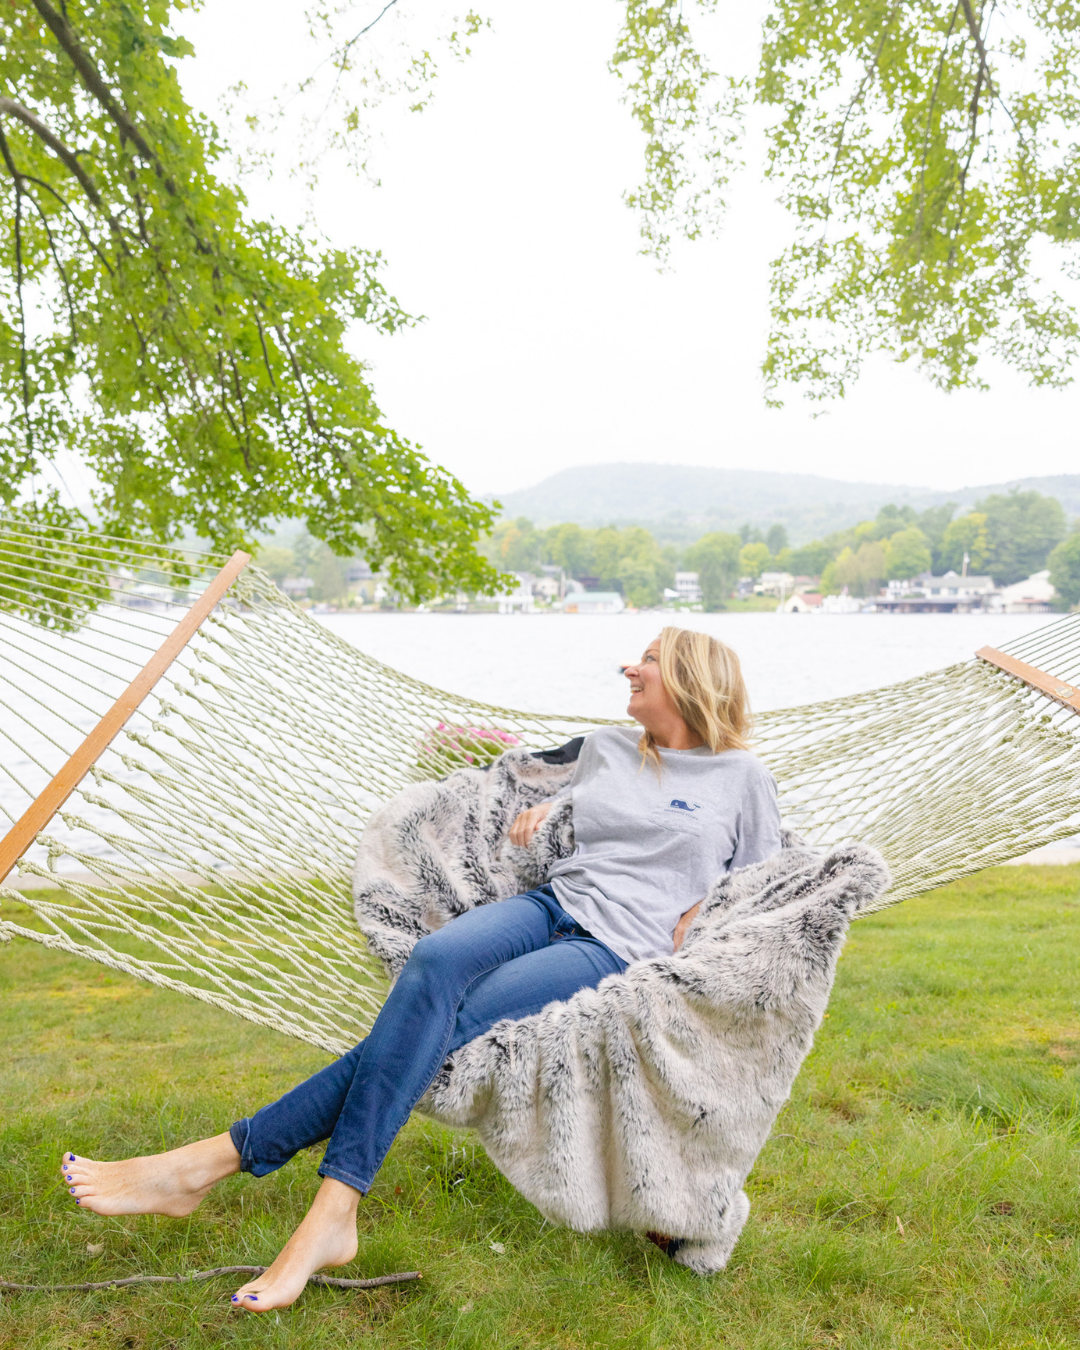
{"x":892,"y":518}
{"x":966,"y":534}
{"x":330,"y":574}
{"x":516,"y":545}
{"x":861,"y":571}
{"x":638,"y":583}
{"x":933,"y":522}
{"x":754,"y":559}
{"x":926,"y":153}
{"x":1021,"y":530}
{"x":906,"y":554}
{"x":715,"y":558}
{"x":642,"y":571}
{"x":194,"y":356}
{"x":811,"y":559}
{"x":570,"y":547}
{"x":782,"y":561}
{"x":608,"y":552}
{"x":776,"y":539}
{"x":277,"y":562}
{"x":1064,"y":564}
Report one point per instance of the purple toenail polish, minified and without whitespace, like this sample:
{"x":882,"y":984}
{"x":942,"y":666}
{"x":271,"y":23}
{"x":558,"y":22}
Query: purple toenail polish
{"x":235,"y":1299}
{"x":254,"y":1298}
{"x":76,"y":1202}
{"x":71,"y":1157}
{"x":73,"y":1190}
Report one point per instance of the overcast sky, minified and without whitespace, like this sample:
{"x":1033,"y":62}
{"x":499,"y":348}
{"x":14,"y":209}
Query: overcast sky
{"x":548,"y":340}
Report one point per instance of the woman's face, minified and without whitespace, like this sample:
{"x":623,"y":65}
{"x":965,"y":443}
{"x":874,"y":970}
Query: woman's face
{"x":650,"y":703}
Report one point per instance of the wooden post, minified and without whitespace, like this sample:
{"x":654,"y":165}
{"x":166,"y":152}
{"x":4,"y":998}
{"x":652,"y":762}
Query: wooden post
{"x":1068,"y":695}
{"x":38,"y":814}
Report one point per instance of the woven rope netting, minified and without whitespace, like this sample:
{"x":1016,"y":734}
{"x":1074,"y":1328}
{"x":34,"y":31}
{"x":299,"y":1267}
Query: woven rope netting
{"x":209,"y":849}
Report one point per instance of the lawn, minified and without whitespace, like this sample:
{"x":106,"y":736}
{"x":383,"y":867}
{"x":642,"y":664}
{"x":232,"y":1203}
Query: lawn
{"x":921,"y":1188}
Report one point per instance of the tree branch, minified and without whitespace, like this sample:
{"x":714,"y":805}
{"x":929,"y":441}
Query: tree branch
{"x":331,"y":1280}
{"x":48,"y":187}
{"x":24,"y":375}
{"x":984,"y":60}
{"x":91,"y":77}
{"x":55,"y":144}
{"x":856,"y":98}
{"x":59,"y":266}
{"x":984,"y":71}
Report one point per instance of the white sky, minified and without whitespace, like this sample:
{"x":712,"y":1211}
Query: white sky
{"x":549,"y":341}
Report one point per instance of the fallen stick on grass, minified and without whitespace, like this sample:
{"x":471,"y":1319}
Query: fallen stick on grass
{"x":330,"y":1280}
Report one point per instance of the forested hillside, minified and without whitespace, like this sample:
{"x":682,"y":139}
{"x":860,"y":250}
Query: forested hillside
{"x":680,"y":503}
{"x":1007,"y":536}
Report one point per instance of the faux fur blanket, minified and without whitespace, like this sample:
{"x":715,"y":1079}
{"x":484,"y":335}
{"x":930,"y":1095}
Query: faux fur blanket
{"x":437,"y":849}
{"x":641,"y":1104}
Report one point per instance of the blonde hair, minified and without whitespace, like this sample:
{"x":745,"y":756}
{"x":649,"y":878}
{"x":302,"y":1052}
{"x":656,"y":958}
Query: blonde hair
{"x":704,"y":678}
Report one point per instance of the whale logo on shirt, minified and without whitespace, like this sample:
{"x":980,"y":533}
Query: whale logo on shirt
{"x":680,"y":805}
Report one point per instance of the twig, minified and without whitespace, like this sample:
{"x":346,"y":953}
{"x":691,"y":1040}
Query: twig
{"x":331,"y":1280}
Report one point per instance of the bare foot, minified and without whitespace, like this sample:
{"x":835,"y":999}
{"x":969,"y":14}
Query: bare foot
{"x":170,"y":1183}
{"x":326,"y":1237}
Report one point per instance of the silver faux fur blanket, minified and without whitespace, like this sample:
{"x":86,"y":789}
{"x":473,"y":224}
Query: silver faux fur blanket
{"x":641,"y":1104}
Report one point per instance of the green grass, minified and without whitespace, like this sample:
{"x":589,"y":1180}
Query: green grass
{"x":921,"y":1189}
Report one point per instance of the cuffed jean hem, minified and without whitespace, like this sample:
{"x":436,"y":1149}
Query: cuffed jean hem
{"x":347,"y":1178}
{"x":240,"y":1134}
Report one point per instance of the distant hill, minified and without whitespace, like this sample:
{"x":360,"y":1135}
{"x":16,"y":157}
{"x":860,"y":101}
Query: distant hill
{"x":679,"y":502}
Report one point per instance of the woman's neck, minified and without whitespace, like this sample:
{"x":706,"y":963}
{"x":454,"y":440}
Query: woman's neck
{"x":674,"y":735}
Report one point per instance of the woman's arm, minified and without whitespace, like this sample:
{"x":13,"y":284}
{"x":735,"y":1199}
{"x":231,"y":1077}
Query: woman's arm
{"x":684,"y":923}
{"x":526,"y":825}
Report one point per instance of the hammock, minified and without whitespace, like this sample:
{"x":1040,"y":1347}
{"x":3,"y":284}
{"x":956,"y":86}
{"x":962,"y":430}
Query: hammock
{"x":208,"y":848}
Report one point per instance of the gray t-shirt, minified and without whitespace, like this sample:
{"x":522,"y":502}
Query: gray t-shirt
{"x":649,"y":846}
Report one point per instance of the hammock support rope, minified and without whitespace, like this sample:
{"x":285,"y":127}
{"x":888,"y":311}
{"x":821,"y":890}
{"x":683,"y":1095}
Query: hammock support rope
{"x":208,"y":849}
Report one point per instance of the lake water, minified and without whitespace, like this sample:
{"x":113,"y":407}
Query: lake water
{"x":569,"y":663}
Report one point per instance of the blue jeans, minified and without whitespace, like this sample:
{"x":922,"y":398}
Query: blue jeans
{"x":507,"y":959}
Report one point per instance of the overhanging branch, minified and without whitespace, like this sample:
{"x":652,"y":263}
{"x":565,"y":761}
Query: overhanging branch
{"x":55,"y":144}
{"x":91,"y":77}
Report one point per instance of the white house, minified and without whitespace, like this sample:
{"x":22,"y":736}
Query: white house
{"x":953,"y":584}
{"x":520,"y":599}
{"x":547,"y":588}
{"x":594,"y":602}
{"x":947,"y":594}
{"x":775,"y":583}
{"x":688,"y":587}
{"x":1032,"y":596}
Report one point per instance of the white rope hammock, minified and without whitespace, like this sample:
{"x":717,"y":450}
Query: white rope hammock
{"x":208,"y":849}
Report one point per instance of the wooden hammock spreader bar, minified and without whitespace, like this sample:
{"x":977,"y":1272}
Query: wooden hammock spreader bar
{"x":1068,"y":695}
{"x":40,"y":811}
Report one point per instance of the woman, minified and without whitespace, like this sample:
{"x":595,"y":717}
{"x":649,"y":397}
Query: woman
{"x":657,"y":818}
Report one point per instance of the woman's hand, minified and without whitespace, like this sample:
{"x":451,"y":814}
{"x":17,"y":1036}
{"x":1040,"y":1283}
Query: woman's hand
{"x":683,"y":924}
{"x":526,"y":825}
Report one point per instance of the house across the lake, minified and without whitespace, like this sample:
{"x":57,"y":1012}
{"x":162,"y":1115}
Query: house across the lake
{"x":947,"y":594}
{"x":594,"y":602}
